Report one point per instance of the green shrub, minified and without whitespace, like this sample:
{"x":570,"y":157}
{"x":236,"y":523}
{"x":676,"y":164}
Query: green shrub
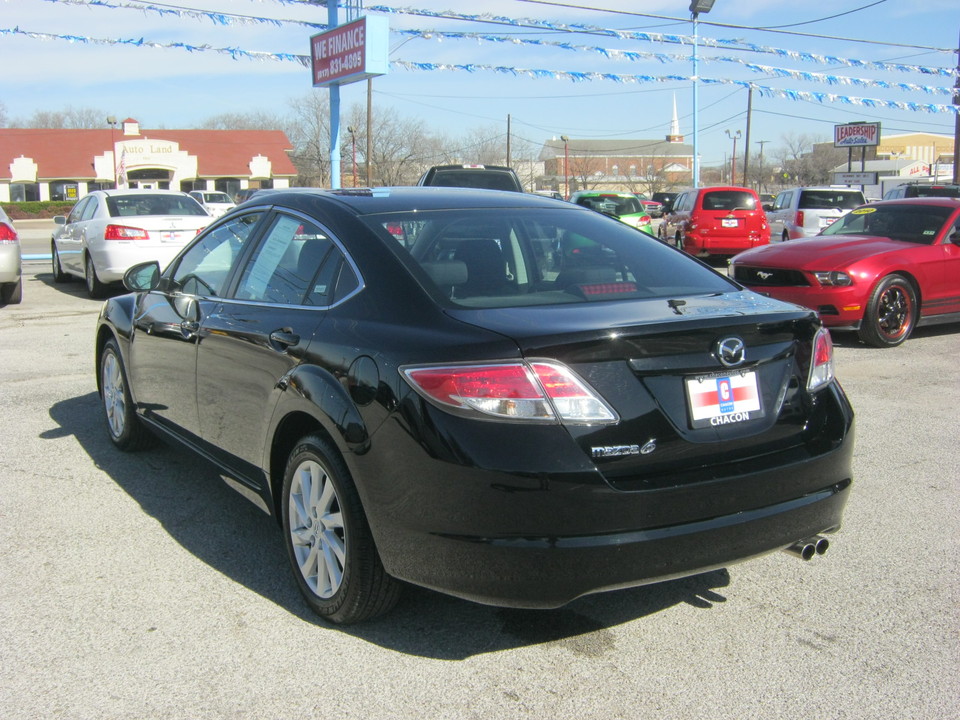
{"x":36,"y":210}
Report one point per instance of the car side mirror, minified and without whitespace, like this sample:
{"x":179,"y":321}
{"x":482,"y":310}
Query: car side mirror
{"x":142,"y":276}
{"x":60,"y":219}
{"x":767,"y":207}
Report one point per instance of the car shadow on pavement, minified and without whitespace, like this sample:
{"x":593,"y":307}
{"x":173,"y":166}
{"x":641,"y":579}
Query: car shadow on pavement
{"x":186,"y":495}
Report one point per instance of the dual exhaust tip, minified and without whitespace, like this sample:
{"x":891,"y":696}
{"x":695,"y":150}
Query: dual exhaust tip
{"x":806,"y":549}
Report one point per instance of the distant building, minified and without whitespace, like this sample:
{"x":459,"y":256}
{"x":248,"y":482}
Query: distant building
{"x":617,"y":165}
{"x":47,"y":164}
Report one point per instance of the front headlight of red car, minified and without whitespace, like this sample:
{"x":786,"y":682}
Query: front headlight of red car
{"x":833,"y":278}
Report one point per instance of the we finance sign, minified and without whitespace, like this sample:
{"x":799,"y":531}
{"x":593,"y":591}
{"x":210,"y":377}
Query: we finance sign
{"x":856,"y":135}
{"x":355,"y":51}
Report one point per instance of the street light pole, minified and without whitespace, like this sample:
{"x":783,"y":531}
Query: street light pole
{"x":112,"y":122}
{"x":566,"y":163}
{"x":733,"y":172}
{"x":697,"y":7}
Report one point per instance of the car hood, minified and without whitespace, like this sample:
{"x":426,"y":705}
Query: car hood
{"x":819,"y":252}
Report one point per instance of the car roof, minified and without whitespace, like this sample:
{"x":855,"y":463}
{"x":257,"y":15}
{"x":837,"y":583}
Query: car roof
{"x":935,"y":201}
{"x":607,"y":193}
{"x":364,"y":201}
{"x":138,"y":191}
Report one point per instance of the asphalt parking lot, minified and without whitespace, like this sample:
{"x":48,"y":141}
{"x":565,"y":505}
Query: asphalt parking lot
{"x":141,"y":586}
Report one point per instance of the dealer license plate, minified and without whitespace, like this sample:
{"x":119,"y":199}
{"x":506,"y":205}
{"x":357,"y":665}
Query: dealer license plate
{"x":723,"y":399}
{"x":729,"y":222}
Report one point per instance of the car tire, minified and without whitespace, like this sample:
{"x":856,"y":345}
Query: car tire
{"x":124,"y":427}
{"x":12,"y":293}
{"x":328,"y":540}
{"x":95,"y":288}
{"x":59,"y":276}
{"x":891,"y":313}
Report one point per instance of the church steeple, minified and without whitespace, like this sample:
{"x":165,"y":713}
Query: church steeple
{"x":675,"y":136}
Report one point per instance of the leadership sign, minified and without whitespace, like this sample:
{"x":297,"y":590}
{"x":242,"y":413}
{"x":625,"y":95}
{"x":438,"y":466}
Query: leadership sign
{"x":355,"y":51}
{"x":856,"y":135}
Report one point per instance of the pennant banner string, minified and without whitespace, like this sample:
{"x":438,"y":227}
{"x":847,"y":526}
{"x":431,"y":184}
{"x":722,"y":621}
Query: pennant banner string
{"x":228,"y":19}
{"x":573,"y":76}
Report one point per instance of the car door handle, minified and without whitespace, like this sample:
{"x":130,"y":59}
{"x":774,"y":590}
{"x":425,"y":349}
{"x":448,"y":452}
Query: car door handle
{"x":189,"y":327}
{"x":284,"y":339}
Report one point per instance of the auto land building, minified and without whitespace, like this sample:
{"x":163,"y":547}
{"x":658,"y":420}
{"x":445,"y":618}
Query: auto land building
{"x":64,"y":165}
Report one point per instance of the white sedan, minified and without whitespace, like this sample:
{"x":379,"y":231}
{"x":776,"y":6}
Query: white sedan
{"x":11,"y":289}
{"x":215,"y":203}
{"x":108,"y":231}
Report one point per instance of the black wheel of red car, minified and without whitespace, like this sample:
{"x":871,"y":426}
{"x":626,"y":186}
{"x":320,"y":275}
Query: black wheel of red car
{"x":328,"y":540}
{"x":59,"y":276}
{"x":95,"y":288}
{"x":891,"y":313}
{"x":123,"y":425}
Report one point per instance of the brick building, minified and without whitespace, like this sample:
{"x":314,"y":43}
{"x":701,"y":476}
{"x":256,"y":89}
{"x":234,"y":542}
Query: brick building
{"x":59,"y":164}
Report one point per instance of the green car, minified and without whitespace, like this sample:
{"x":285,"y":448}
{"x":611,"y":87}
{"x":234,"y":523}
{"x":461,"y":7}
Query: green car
{"x":623,"y":206}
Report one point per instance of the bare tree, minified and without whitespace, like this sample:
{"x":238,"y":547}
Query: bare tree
{"x":69,"y":119}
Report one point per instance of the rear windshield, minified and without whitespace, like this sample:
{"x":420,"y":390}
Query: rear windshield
{"x":934,"y":191}
{"x":124,"y":205}
{"x":216,"y":197}
{"x":484,"y":179}
{"x":909,"y":223}
{"x":729,"y":200}
{"x":614,"y":204}
{"x":499,"y":257}
{"x":829,"y":199}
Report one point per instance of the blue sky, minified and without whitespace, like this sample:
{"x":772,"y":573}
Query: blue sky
{"x":176,"y":88}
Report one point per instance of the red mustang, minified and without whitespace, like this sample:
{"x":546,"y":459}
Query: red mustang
{"x":882,"y":269}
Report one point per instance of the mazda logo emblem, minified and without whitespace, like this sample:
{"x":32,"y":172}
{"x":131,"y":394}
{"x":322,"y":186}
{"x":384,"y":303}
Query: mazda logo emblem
{"x":731,"y":351}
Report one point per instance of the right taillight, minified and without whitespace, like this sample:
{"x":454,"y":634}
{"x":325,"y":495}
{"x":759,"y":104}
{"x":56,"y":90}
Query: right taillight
{"x":821,"y":364}
{"x":7,"y":233}
{"x":799,"y":218}
{"x":538,"y":391}
{"x":124,"y":232}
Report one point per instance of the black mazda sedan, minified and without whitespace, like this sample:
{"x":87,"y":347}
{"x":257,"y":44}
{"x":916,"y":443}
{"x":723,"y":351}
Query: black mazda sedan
{"x":495,"y":395}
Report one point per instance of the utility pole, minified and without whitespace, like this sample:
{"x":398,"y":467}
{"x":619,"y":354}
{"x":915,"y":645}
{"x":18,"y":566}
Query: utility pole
{"x":956,"y":123}
{"x":746,"y":139}
{"x":761,"y":143}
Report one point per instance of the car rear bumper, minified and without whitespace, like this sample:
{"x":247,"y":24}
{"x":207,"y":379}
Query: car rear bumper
{"x":548,"y":572}
{"x":113,"y":262}
{"x":520,"y":537}
{"x":703,"y":245}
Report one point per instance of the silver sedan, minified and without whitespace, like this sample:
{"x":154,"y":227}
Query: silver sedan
{"x":11,"y":287}
{"x":108,"y":231}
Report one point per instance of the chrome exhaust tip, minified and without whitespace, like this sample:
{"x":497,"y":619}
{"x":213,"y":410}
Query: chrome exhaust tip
{"x":808,"y":548}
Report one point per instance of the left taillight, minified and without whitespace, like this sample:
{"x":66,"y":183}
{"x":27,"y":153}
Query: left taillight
{"x":124,"y":232}
{"x":821,"y":363}
{"x":536,"y":391}
{"x":7,"y":233}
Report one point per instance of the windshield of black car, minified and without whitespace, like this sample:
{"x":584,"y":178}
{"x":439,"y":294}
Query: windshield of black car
{"x":513,"y":257}
{"x":611,"y":204}
{"x":829,"y":199}
{"x":125,"y":205}
{"x":909,"y":223}
{"x":729,"y":200}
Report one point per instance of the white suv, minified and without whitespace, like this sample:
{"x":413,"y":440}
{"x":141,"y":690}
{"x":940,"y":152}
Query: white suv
{"x":804,"y":212}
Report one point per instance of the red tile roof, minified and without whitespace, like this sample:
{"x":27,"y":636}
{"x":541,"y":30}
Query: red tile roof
{"x":69,"y":154}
